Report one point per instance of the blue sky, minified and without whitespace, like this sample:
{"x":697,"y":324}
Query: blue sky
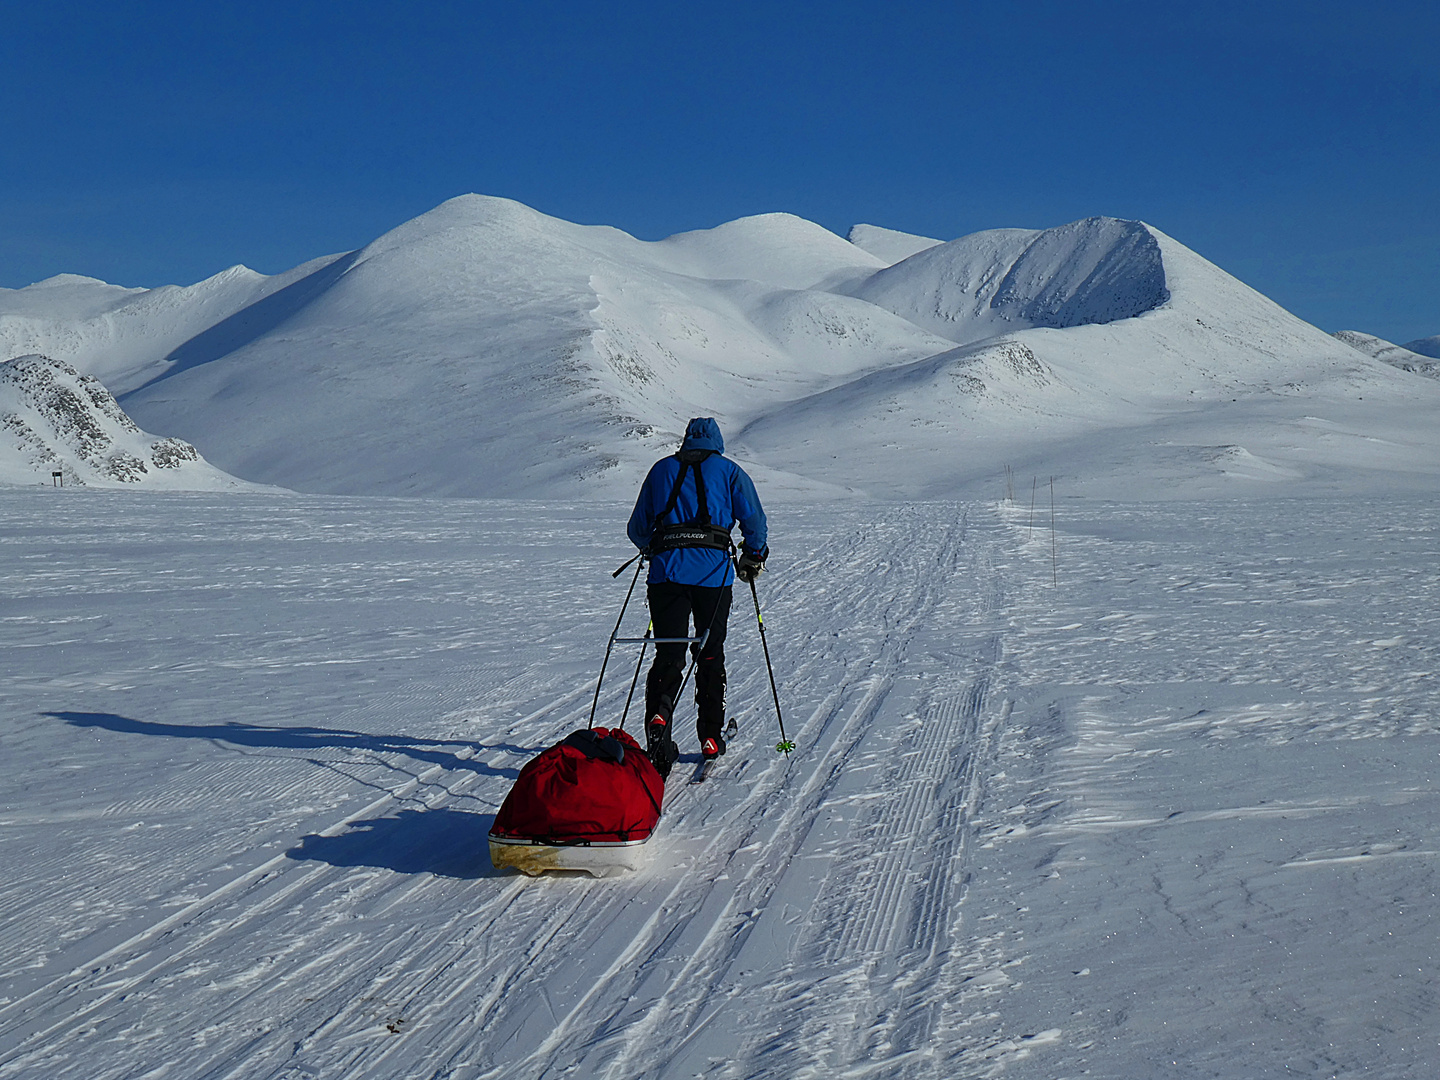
{"x":1294,"y":144}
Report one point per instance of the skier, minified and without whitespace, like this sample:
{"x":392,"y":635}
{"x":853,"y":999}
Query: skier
{"x":682,"y":519}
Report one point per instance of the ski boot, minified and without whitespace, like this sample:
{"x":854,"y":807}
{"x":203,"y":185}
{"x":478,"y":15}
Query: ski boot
{"x":659,"y":746}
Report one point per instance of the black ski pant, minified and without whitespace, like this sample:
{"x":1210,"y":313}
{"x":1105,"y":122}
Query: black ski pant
{"x":672,"y":606}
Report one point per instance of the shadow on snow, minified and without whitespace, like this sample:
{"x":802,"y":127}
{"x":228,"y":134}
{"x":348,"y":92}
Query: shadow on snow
{"x":306,"y":739}
{"x":253,"y":321}
{"x":450,"y":843}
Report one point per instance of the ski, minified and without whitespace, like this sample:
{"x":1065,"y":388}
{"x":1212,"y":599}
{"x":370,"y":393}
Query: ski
{"x":703,"y":769}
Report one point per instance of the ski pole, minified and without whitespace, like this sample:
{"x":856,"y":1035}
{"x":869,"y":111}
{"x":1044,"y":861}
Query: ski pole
{"x":614,"y":633}
{"x":784,"y":745}
{"x":621,"y":568}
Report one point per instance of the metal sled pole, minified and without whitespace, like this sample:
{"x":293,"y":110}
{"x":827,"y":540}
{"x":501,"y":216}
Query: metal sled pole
{"x":616,"y":639}
{"x":635,"y":679}
{"x":640,"y":662}
{"x":628,"y":593}
{"x":694,"y":656}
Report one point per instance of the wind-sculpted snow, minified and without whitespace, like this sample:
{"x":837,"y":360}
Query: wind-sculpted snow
{"x":55,"y":420}
{"x":1092,"y":271}
{"x":1155,"y":787}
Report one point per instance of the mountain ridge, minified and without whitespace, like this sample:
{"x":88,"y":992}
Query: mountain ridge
{"x":487,"y":349}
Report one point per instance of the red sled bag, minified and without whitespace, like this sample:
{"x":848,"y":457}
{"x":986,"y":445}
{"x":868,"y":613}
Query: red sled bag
{"x":586,"y":803}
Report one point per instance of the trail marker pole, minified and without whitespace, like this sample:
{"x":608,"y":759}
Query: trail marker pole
{"x":1054,"y":565}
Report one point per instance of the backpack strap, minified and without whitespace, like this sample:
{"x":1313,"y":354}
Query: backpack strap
{"x":699,"y":532}
{"x":702,"y":514}
{"x":679,"y":482}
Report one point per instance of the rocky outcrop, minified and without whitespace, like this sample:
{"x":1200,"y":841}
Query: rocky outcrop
{"x":54,"y":420}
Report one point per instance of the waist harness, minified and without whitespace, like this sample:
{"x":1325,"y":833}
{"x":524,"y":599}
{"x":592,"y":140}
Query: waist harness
{"x":698,"y":532}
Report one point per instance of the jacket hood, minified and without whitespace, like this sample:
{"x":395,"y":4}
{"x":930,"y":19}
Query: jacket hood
{"x":703,"y":434}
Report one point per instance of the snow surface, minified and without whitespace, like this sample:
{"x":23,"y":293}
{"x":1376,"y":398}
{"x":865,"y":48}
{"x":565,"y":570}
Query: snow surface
{"x":1153,"y":795}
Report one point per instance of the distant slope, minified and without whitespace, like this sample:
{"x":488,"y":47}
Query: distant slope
{"x":1388,"y":353}
{"x":782,"y":250}
{"x":126,"y":336}
{"x":1167,"y":401}
{"x":1426,"y":346}
{"x":55,"y":420}
{"x":887,"y":244}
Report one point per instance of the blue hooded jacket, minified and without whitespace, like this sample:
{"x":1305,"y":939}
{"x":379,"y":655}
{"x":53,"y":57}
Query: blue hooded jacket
{"x":730,"y":497}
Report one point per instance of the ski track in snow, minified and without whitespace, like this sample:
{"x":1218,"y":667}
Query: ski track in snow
{"x":1029,"y":829}
{"x":311,"y":939}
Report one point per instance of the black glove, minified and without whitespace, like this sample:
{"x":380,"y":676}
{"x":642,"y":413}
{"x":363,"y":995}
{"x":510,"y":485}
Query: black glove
{"x":750,"y":563}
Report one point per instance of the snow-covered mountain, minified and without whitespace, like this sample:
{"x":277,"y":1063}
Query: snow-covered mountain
{"x":1425,"y":346}
{"x":1387,"y":352}
{"x":888,"y":244}
{"x":487,"y":349}
{"x":54,"y":420}
{"x":124,"y":336}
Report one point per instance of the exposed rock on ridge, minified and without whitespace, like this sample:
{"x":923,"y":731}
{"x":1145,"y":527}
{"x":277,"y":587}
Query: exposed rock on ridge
{"x":54,"y":419}
{"x":1397,"y":356}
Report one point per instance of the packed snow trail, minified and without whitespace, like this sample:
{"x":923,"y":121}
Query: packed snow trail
{"x":293,"y":924}
{"x":1164,"y":807}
